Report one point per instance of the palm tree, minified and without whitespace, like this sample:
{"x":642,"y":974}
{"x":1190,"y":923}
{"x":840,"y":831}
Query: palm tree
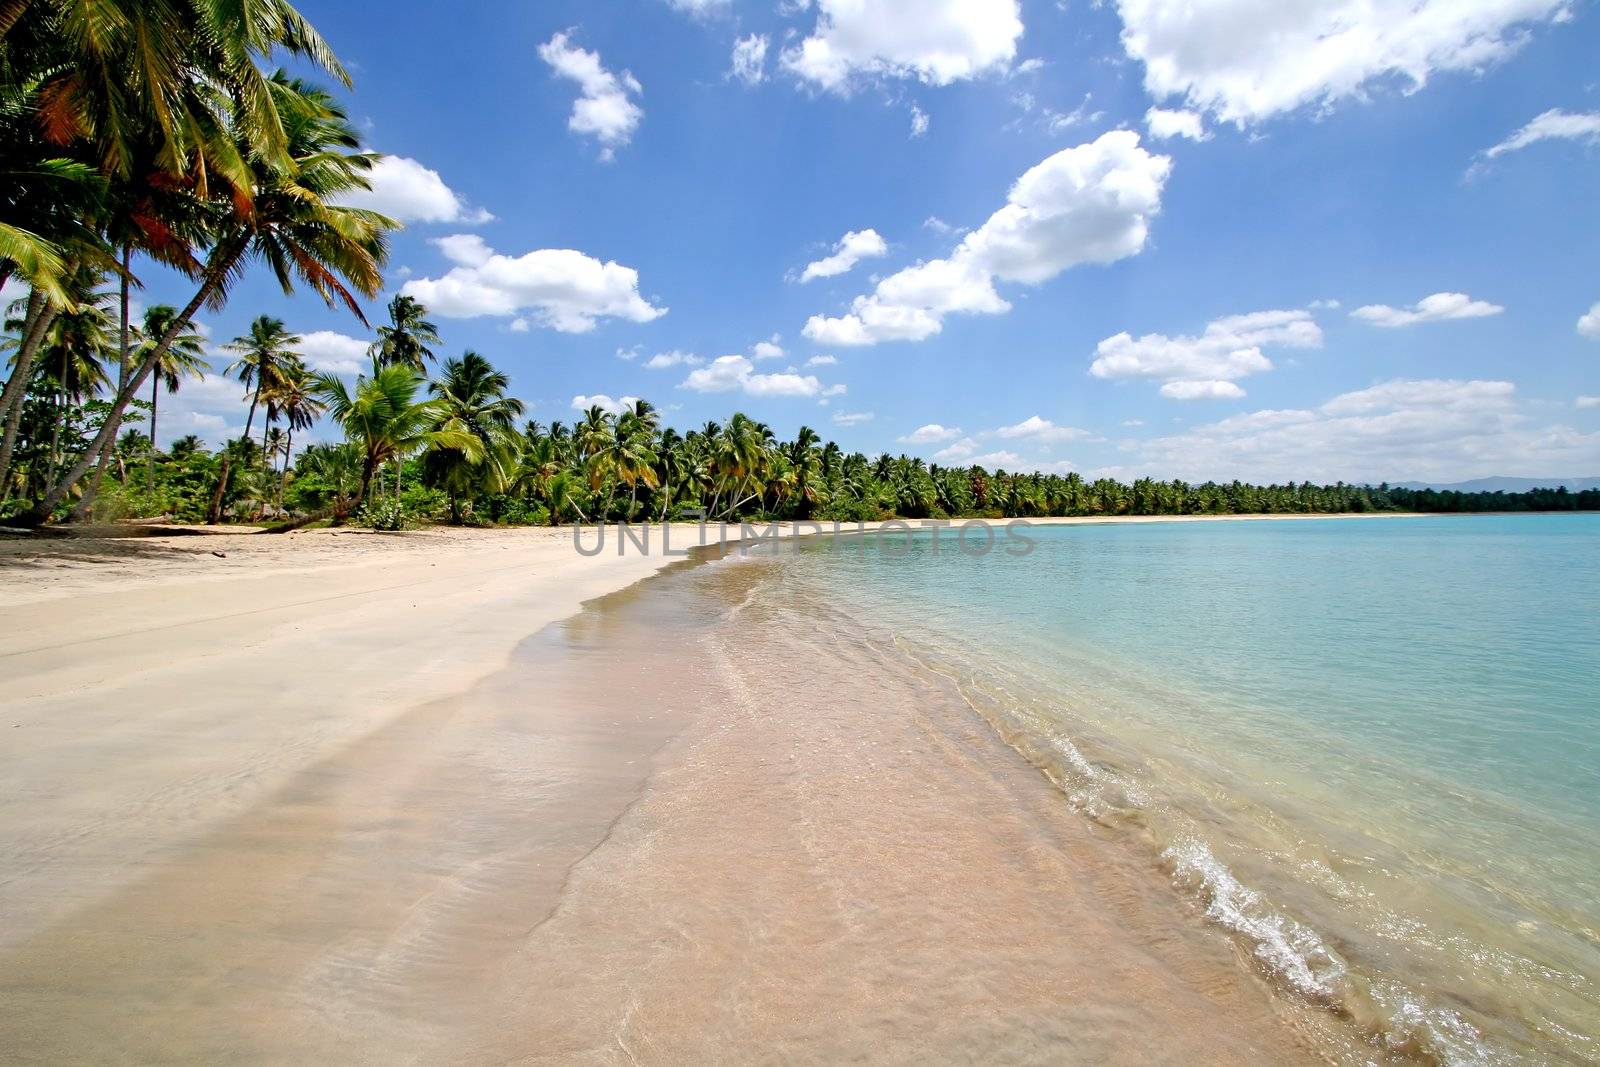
{"x":110,"y":112}
{"x":184,"y":358}
{"x":407,"y":337}
{"x":264,"y":354}
{"x":292,"y":222}
{"x":383,"y":416}
{"x":472,"y":399}
{"x":299,"y":405}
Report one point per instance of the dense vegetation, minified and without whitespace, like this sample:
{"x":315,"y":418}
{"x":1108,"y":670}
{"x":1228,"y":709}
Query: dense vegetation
{"x":135,"y":133}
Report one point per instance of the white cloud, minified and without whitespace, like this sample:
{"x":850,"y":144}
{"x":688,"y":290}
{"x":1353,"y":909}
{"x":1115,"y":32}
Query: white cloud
{"x":852,"y":418}
{"x":934,"y":41}
{"x":769,"y":349}
{"x":1089,"y":204}
{"x":822,"y":361}
{"x":604,"y":403}
{"x":1196,"y":367}
{"x":674,"y":358}
{"x":1431,"y":430}
{"x":1165,"y":125}
{"x":1589,"y":324}
{"x":728,"y":373}
{"x":1433,"y":308}
{"x":937,"y":225}
{"x":1201,"y":390}
{"x":749,"y":59}
{"x":848,"y":250}
{"x":1554,"y":124}
{"x":407,"y":191}
{"x":561,"y":288}
{"x":700,"y":7}
{"x":325,"y":350}
{"x":519,"y":325}
{"x":1586,"y":403}
{"x":930,"y":434}
{"x":603,"y":109}
{"x":1040,"y":430}
{"x":996,"y":461}
{"x":919,"y":121}
{"x":1247,"y":60}
{"x":465,"y":249}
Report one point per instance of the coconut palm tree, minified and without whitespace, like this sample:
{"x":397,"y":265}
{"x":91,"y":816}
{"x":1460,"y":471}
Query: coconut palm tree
{"x":407,"y":337}
{"x":471,"y":398}
{"x":292,"y":223}
{"x":299,"y":405}
{"x":113,"y":111}
{"x":184,"y":358}
{"x":264,"y":355}
{"x":383,"y":416}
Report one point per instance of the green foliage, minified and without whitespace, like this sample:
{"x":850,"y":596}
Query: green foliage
{"x":386,"y":514}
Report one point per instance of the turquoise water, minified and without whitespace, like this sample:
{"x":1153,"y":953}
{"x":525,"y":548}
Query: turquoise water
{"x":1369,"y":749}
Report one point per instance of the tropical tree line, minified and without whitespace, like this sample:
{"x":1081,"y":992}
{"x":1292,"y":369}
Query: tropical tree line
{"x":425,"y":440}
{"x":133,"y":135}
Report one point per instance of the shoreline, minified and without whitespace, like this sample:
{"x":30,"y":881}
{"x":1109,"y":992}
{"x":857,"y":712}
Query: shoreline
{"x":329,"y":676}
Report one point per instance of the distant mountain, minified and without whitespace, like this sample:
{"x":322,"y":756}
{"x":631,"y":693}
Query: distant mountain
{"x":1505,"y":485}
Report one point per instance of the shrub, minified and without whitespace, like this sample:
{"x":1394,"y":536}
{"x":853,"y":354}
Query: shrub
{"x":383,"y":514}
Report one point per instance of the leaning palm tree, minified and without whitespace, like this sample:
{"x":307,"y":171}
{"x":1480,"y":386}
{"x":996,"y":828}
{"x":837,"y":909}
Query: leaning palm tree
{"x":184,"y":358}
{"x":383,"y":416}
{"x":292,"y":222}
{"x":407,"y":337}
{"x":111,"y":113}
{"x":296,"y":400}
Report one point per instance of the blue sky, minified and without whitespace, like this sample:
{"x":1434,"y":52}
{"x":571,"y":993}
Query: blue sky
{"x":1025,"y":212}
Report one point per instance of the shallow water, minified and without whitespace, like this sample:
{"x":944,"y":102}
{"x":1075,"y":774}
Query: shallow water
{"x":1369,"y":750}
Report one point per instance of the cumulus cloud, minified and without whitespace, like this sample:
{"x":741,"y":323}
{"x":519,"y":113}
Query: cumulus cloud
{"x":852,"y":418}
{"x":405,"y":190}
{"x":674,"y":358}
{"x":1165,"y":124}
{"x":1554,"y":124}
{"x":604,"y":402}
{"x":1589,"y":324}
{"x":1089,"y":204}
{"x":965,"y":453}
{"x":1201,"y":390}
{"x":560,"y":288}
{"x":1198,"y":367}
{"x":1247,"y":60}
{"x":466,"y":249}
{"x":604,"y":109}
{"x":822,"y":361}
{"x":768,"y":349}
{"x":1040,"y":430}
{"x":934,"y":41}
{"x":1433,"y":308}
{"x":728,"y":373}
{"x":325,"y":350}
{"x":930,"y":434}
{"x":749,"y":61}
{"x":848,"y":250}
{"x":1427,"y":430}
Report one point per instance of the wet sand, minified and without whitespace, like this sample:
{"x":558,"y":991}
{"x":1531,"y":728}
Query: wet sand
{"x":666,"y":831}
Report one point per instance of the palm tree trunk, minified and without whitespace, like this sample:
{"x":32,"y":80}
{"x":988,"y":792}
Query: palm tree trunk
{"x":40,"y":314}
{"x":150,"y":468}
{"x":87,"y":500}
{"x":288,"y":451}
{"x":228,"y":255}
